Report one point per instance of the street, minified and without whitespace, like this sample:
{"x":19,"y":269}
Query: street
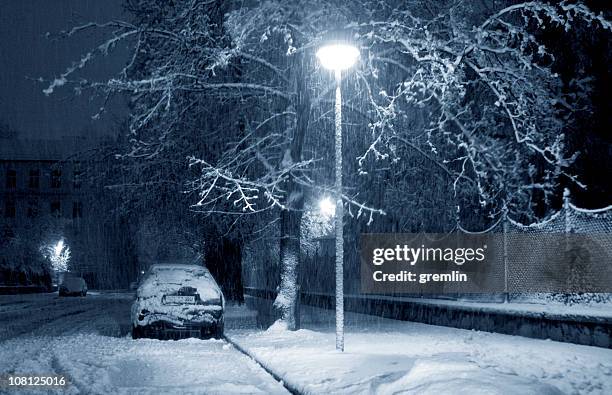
{"x":87,"y":340}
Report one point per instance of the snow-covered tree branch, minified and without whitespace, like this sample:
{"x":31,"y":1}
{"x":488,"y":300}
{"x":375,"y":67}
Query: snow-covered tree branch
{"x":471,"y":90}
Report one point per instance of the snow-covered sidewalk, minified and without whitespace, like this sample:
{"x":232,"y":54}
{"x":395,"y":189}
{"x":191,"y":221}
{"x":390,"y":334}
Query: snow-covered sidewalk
{"x":388,"y":356}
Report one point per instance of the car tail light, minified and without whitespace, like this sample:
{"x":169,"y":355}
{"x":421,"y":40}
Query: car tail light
{"x":211,"y":302}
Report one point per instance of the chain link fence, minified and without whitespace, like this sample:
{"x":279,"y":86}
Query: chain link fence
{"x":545,"y":263}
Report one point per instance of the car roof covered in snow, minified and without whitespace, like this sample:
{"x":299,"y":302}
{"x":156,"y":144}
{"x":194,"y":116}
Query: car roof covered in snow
{"x":178,"y":266}
{"x":72,"y":280}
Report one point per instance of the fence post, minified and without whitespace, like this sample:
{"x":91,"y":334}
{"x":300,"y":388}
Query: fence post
{"x":458,"y":233}
{"x":566,"y":208}
{"x":566,"y":217}
{"x":505,"y":245}
{"x":566,"y":235}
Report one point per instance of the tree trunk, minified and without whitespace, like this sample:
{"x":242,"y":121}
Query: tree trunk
{"x":290,"y":258}
{"x":291,"y":216}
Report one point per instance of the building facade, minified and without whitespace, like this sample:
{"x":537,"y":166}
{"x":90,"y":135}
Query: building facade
{"x":38,"y":178}
{"x":47,"y":193}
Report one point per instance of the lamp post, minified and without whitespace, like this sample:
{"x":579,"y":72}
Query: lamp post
{"x":338,"y":57}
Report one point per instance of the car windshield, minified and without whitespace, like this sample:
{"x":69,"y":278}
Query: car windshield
{"x":193,"y":272}
{"x":173,"y":274}
{"x":162,"y":279}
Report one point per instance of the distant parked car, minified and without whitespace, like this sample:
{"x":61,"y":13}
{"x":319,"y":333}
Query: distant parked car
{"x":176,"y":301}
{"x":73,"y":286}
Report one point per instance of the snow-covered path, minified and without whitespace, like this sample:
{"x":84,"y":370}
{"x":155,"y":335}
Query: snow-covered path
{"x":87,"y":340}
{"x":385,"y":356}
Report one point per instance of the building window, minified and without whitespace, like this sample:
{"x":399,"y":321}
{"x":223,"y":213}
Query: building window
{"x":10,"y":210}
{"x":78,"y":174}
{"x":32,"y":209}
{"x":77,"y":210}
{"x":56,"y":178}
{"x":11,"y":178}
{"x":56,"y":209}
{"x":34,"y":181}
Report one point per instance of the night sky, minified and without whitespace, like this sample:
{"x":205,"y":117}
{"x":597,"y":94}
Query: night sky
{"x":26,"y":54}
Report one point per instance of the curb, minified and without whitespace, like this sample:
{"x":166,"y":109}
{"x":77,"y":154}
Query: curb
{"x":292,"y":389}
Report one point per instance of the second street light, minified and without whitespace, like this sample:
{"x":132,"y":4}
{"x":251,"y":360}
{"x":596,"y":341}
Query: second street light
{"x":338,"y":57}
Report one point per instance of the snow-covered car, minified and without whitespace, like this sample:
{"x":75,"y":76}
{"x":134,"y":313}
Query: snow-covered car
{"x":176,"y":301}
{"x":73,"y":286}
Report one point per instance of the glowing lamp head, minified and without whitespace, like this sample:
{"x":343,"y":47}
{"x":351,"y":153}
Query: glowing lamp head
{"x":327,"y":207}
{"x":338,"y":56}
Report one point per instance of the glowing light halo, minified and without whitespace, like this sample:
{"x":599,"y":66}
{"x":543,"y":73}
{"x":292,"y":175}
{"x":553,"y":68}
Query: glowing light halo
{"x":338,"y":56}
{"x":327,"y":207}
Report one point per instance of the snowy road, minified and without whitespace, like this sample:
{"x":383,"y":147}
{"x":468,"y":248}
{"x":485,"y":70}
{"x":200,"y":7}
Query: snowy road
{"x":87,"y":340}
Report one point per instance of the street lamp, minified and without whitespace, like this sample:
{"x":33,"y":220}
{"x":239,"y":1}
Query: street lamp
{"x":338,"y":57}
{"x":327,"y":207}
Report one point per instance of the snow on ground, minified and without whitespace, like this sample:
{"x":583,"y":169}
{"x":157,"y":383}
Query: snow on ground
{"x":96,"y":364}
{"x":551,"y":309}
{"x":87,"y":340}
{"x":387,"y":356}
